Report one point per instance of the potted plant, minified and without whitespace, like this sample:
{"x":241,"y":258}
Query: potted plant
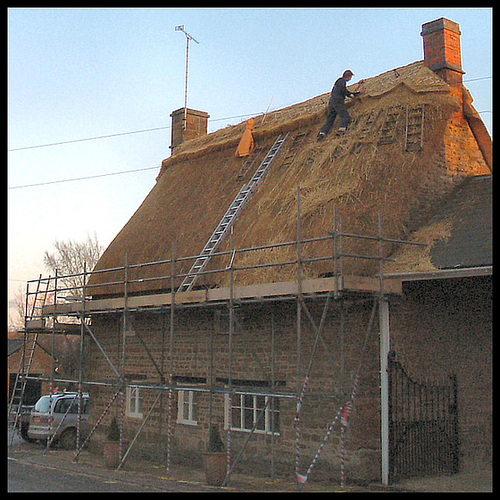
{"x":112,"y":445}
{"x":215,"y":459}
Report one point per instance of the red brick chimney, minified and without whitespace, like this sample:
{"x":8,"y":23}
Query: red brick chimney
{"x":187,"y":124}
{"x":442,"y":51}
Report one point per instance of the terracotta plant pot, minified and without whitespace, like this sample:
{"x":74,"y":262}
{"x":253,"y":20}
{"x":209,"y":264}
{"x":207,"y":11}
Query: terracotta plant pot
{"x":215,"y":463}
{"x":112,"y":453}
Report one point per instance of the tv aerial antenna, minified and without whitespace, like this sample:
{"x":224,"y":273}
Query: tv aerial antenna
{"x":188,"y":38}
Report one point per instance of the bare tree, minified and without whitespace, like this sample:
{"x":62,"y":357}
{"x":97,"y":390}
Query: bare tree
{"x":70,"y":258}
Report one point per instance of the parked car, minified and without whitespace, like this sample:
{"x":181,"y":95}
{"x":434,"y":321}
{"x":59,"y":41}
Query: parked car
{"x":57,"y":415}
{"x":24,"y":421}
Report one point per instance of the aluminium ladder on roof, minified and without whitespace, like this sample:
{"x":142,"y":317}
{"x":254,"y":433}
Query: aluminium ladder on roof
{"x":231,"y":214}
{"x":249,"y":163}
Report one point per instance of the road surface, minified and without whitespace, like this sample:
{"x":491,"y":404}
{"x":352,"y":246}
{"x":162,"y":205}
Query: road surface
{"x":27,"y":477}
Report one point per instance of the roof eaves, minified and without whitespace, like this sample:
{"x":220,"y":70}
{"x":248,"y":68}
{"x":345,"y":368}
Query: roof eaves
{"x":464,"y":272}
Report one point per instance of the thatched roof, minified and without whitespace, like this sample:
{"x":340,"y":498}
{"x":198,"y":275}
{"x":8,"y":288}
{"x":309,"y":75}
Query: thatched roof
{"x":367,"y":172}
{"x":459,"y":235}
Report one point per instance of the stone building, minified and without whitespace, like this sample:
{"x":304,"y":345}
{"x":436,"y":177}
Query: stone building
{"x":293,"y":322}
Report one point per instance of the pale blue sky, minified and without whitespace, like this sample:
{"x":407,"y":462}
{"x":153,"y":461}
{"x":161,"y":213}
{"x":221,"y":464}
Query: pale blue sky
{"x":79,"y":73}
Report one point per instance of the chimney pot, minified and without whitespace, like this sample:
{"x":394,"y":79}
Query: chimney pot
{"x":442,"y":51}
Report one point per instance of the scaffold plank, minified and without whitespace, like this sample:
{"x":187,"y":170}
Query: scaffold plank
{"x":250,"y":292}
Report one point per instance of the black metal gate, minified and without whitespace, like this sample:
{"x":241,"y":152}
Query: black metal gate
{"x":423,"y":425}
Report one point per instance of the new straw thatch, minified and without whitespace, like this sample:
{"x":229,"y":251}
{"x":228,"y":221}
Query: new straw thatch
{"x":371,"y":170}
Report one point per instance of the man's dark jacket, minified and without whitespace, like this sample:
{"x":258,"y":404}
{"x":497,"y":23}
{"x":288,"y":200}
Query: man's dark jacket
{"x":339,"y":91}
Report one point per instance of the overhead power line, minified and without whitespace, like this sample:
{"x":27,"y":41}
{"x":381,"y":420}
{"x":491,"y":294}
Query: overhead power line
{"x":122,"y":172}
{"x":97,"y":137}
{"x":84,"y":178}
{"x":477,"y":79}
{"x":90,"y":138}
{"x":166,"y":126}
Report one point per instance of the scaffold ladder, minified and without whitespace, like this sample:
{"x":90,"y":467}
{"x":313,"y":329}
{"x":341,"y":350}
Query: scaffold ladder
{"x":29,"y":346}
{"x":231,"y":214}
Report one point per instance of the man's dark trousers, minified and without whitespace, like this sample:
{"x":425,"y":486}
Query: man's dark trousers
{"x":336,"y":107}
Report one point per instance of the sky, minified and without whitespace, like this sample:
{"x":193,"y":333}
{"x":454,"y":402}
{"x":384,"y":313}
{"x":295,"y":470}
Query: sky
{"x":75,"y":75}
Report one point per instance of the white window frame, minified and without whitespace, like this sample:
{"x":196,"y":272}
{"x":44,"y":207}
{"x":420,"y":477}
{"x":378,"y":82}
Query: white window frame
{"x":238,"y":400}
{"x":133,"y":402}
{"x":187,"y":399}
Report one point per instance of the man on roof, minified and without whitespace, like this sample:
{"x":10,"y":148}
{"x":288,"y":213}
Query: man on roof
{"x":336,"y":106}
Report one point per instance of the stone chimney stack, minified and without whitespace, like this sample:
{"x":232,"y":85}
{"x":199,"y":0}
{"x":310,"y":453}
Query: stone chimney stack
{"x":442,"y":51}
{"x":187,"y":124}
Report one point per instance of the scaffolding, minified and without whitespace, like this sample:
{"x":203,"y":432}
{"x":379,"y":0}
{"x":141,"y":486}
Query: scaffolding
{"x":79,"y":305}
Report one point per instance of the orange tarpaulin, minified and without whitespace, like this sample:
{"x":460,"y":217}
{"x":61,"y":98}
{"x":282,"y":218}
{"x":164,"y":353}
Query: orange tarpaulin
{"x":246,"y":145}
